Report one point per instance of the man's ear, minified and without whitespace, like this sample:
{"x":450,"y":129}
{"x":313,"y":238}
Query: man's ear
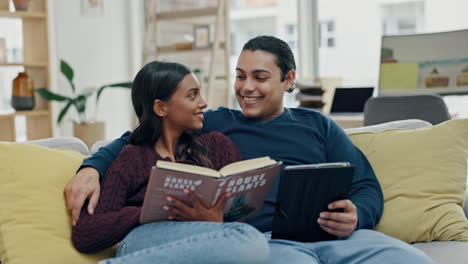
{"x":159,"y":108}
{"x":290,"y":81}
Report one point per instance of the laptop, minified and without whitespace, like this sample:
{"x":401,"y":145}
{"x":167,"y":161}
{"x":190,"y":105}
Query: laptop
{"x":350,"y":100}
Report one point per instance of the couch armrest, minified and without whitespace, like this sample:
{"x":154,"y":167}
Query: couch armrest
{"x":72,"y":143}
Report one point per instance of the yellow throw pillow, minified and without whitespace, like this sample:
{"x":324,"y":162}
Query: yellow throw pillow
{"x":35,"y":226}
{"x":423,"y":177}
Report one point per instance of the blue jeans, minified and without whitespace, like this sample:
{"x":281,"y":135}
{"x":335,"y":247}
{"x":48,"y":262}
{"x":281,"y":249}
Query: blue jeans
{"x":205,"y":242}
{"x":192,"y":242}
{"x":363,"y":246}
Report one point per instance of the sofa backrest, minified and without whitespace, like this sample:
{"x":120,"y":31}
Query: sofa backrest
{"x":78,"y":145}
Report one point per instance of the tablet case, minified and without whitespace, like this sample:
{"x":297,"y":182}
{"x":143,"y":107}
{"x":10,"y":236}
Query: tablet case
{"x":304,"y":192}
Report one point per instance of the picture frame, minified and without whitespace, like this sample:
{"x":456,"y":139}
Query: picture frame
{"x":201,"y":36}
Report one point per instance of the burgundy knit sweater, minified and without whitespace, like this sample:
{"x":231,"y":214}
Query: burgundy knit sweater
{"x":123,"y":192}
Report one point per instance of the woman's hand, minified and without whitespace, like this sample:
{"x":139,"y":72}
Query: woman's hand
{"x":198,"y":211}
{"x":340,"y":224}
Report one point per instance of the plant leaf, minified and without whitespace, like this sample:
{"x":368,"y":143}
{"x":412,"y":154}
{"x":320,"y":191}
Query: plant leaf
{"x":63,"y":112}
{"x":87,"y":92}
{"x":80,"y":103}
{"x":68,"y":72}
{"x":48,"y":95}
{"x":121,"y":84}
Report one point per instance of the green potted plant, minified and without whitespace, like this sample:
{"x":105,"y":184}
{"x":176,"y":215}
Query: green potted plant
{"x":84,"y":129}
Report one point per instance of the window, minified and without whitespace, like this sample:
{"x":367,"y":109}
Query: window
{"x":356,"y":59}
{"x":291,"y":35}
{"x":403,"y":18}
{"x":251,"y":18}
{"x":327,"y":34}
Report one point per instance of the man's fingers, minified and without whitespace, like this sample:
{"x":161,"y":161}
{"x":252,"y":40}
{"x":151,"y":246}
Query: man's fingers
{"x":333,"y":224}
{"x":339,"y":217}
{"x":76,"y":206}
{"x":69,"y":198}
{"x":347,"y":205}
{"x":93,"y":201}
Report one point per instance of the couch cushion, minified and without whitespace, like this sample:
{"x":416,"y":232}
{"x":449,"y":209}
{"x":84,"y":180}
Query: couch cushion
{"x":400,"y":124}
{"x":72,"y":143}
{"x":446,"y":252}
{"x":35,"y":226}
{"x":423,"y":176}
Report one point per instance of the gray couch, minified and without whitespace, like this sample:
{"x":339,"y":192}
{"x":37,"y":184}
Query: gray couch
{"x":450,"y":252}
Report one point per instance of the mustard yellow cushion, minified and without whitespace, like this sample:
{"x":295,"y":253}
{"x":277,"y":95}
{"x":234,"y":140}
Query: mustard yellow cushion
{"x":35,"y":226}
{"x":423,"y":177}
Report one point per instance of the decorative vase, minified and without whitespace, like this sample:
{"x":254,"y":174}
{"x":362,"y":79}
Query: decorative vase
{"x":89,"y":132}
{"x":23,"y":93}
{"x":21,"y":5}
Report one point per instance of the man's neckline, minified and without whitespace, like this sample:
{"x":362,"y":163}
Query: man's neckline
{"x":266,"y":121}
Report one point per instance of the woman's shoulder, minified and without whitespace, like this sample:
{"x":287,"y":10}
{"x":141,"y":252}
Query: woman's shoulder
{"x":132,"y":150}
{"x":218,"y":142}
{"x":222,"y":149}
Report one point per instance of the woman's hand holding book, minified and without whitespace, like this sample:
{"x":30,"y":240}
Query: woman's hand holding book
{"x":197,"y":211}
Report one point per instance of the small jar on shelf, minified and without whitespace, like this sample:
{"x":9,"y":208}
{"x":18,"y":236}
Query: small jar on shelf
{"x":23,"y":93}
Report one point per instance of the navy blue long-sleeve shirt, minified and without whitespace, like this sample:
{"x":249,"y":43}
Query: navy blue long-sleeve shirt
{"x":297,"y":136}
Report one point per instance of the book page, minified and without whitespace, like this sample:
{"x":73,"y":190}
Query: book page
{"x":187,"y":168}
{"x":246,"y":165}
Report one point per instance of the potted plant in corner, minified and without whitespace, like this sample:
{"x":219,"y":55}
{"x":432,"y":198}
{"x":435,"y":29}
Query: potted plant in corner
{"x":85,"y":130}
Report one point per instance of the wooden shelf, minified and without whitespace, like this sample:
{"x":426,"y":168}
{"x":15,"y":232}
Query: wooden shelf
{"x":172,"y":49}
{"x":34,"y":32}
{"x":25,"y":64}
{"x":26,"y":113}
{"x":23,"y":14}
{"x":210,"y":11}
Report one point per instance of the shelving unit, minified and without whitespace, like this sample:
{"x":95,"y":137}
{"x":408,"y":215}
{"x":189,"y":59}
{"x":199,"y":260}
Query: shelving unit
{"x":36,"y":64}
{"x":317,"y":93}
{"x":216,"y":76}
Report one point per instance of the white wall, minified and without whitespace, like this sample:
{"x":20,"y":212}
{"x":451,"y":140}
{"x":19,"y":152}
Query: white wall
{"x":101,"y":49}
{"x":357,"y":43}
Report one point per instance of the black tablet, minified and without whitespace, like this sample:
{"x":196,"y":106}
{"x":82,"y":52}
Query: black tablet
{"x":304,"y":192}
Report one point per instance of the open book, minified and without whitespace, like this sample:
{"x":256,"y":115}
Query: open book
{"x":249,"y":182}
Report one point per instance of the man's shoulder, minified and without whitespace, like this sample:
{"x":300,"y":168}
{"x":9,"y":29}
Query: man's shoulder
{"x":308,"y":114}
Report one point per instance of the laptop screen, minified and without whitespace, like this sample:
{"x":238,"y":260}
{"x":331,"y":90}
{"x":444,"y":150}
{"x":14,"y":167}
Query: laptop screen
{"x":350,"y":100}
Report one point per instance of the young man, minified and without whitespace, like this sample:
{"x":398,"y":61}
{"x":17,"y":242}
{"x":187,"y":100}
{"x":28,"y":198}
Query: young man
{"x":265,"y":70}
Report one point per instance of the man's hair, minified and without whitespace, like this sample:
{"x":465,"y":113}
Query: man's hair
{"x":279,"y":48}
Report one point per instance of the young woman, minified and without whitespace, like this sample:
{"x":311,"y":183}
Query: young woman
{"x":166,"y":98}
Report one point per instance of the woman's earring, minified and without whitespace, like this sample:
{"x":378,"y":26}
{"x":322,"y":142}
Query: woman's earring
{"x":291,"y":89}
